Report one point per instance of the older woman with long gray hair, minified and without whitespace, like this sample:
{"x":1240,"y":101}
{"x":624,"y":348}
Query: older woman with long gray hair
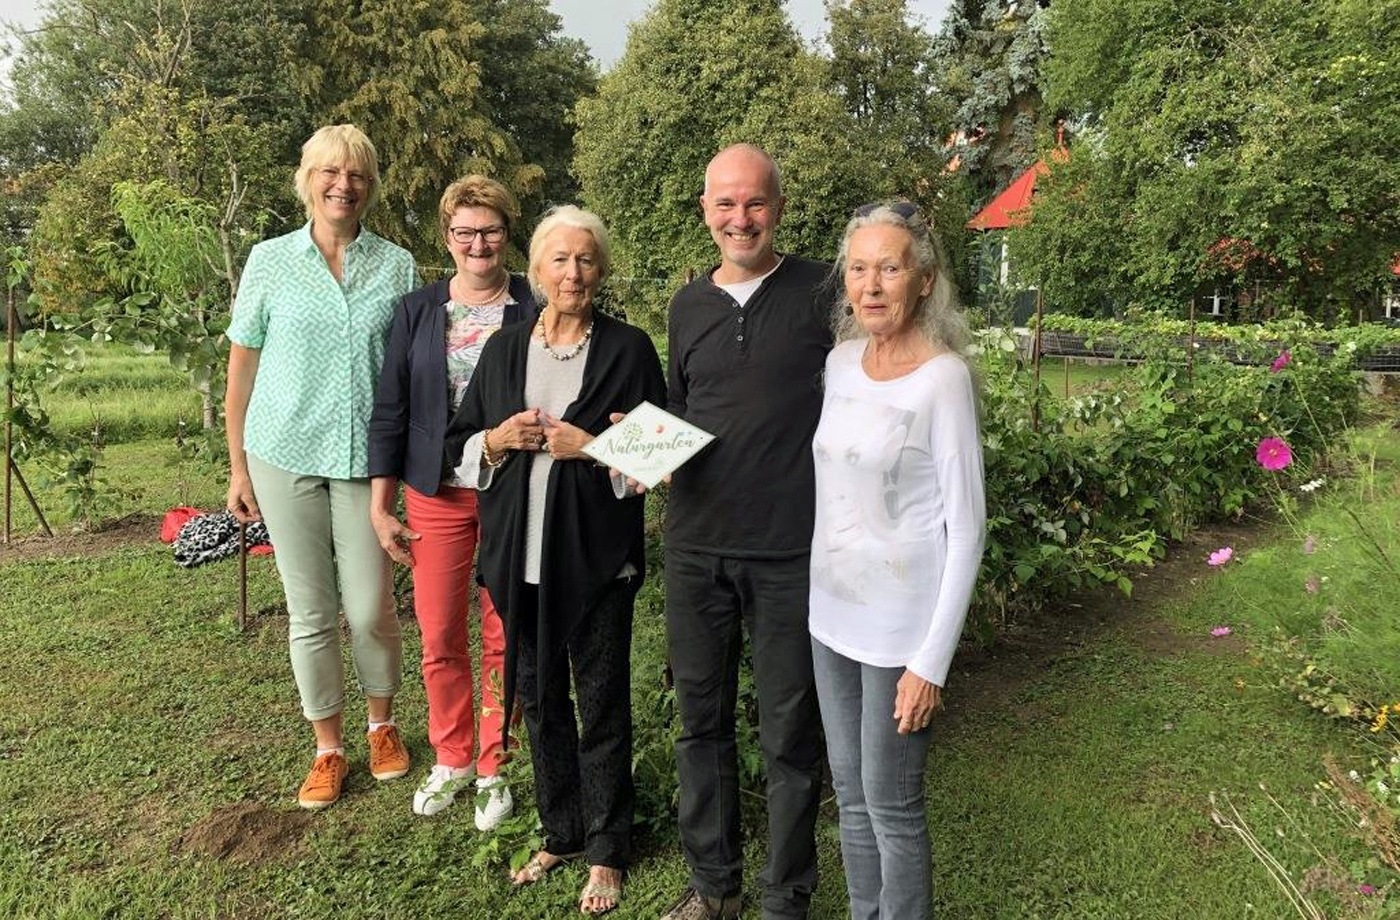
{"x":896,"y":546}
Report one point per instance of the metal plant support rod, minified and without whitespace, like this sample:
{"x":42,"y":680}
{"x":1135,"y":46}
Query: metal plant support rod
{"x":12,"y":468}
{"x":9,"y":399}
{"x":1066,"y":376}
{"x":242,"y":576}
{"x":1191,"y":345}
{"x":1035,"y":357}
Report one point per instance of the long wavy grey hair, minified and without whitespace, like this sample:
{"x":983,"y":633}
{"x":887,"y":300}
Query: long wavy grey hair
{"x":938,"y":316}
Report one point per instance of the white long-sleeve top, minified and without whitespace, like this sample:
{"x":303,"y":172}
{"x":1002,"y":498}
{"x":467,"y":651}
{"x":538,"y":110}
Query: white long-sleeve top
{"x":901,"y":514}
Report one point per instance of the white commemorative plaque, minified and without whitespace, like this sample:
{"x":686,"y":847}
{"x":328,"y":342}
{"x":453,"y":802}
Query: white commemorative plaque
{"x":648,"y":444}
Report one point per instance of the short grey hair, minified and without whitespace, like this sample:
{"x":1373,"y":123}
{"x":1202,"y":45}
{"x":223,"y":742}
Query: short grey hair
{"x":938,"y":315}
{"x":568,"y":215}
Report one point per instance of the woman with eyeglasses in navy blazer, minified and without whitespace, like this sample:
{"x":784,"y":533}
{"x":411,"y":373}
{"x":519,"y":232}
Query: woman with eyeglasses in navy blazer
{"x":435,"y":340}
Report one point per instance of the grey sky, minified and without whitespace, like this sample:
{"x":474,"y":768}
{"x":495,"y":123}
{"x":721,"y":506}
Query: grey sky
{"x":603,"y":25}
{"x":600,"y":23}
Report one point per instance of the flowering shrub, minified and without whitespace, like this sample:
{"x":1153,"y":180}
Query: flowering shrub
{"x":1109,"y":477}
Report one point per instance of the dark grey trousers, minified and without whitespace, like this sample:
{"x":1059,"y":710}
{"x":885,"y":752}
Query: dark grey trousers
{"x":583,"y":770}
{"x":710,"y":601}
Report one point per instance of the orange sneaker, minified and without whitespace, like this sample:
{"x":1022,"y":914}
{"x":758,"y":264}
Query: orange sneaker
{"x":388,"y":758}
{"x":322,"y":786}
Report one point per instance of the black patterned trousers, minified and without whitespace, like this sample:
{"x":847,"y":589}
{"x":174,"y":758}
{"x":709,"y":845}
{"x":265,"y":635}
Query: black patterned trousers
{"x":583,"y":767}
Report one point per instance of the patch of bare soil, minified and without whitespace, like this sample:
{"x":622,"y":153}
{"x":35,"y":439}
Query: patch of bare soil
{"x":985,"y":676}
{"x":246,"y":832}
{"x":126,"y":531}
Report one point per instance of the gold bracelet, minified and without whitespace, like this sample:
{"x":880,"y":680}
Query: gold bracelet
{"x":486,"y":451}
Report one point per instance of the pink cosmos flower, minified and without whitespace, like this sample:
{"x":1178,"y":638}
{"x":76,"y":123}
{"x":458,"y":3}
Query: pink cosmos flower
{"x":1221,"y":556}
{"x":1312,"y":585}
{"x":1310,"y":545}
{"x":1220,"y":631}
{"x":1366,"y":889}
{"x":1273,"y":454}
{"x":1281,"y":361}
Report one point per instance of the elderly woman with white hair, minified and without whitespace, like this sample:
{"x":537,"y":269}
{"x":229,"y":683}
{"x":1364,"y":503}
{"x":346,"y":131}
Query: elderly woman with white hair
{"x":561,"y":545}
{"x":307,"y":340}
{"x":896,"y":546}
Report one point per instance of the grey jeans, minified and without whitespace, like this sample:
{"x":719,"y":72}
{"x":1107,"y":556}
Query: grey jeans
{"x":879,"y":779}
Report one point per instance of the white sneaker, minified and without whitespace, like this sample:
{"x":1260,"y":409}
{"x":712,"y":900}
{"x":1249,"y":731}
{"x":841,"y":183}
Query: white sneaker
{"x":439,"y":788}
{"x":498,"y":806}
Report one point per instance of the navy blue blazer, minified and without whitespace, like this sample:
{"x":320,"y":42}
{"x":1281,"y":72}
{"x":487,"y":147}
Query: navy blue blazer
{"x":410,"y":413}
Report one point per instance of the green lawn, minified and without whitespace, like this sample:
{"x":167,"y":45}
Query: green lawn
{"x":1069,"y":785}
{"x":1071,"y":377}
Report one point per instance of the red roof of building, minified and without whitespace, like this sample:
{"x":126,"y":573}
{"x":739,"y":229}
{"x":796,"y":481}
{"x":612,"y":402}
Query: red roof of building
{"x":1009,"y":209}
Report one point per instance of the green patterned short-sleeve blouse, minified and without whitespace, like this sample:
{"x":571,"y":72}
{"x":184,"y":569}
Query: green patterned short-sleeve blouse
{"x":321,"y":343}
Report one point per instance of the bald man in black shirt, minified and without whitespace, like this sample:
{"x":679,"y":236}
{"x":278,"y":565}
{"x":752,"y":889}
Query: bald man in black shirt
{"x":748,"y":342}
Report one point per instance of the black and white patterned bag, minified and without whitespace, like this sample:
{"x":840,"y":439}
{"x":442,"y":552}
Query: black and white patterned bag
{"x":214,"y":536}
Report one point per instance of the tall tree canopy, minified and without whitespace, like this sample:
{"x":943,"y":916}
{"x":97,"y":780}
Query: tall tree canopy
{"x":110,"y":90}
{"x":448,"y":88}
{"x":1254,"y":138}
{"x":882,"y":69}
{"x":697,"y":76}
{"x":532,"y":77}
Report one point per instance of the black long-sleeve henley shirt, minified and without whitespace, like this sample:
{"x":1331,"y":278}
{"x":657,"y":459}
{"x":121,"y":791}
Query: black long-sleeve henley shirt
{"x":751,"y":376}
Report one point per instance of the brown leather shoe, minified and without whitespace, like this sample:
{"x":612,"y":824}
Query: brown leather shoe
{"x":388,"y":758}
{"x":695,"y":906}
{"x":322,"y":786}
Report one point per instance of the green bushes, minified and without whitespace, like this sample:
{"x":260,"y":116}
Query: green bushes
{"x":1108,"y":477}
{"x":1160,"y":328}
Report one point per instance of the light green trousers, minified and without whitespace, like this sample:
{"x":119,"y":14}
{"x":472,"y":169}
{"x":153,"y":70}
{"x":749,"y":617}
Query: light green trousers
{"x":330,"y":560}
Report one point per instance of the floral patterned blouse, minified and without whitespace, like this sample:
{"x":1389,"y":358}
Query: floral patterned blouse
{"x":468,"y":328}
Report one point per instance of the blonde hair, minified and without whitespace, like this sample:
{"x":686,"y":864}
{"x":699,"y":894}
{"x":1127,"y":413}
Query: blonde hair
{"x":476,"y":191}
{"x":938,"y":315}
{"x":568,"y":215}
{"x":336,"y":146}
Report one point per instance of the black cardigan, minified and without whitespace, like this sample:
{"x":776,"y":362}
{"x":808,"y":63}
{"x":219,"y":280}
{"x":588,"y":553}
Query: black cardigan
{"x":589,"y":534}
{"x":410,"y":415}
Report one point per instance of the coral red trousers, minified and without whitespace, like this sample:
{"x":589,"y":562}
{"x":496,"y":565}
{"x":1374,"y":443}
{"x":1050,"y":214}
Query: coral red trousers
{"x":442,"y":582}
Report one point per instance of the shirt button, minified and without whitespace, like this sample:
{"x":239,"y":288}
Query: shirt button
{"x":739,"y":338}
{"x":741,"y":319}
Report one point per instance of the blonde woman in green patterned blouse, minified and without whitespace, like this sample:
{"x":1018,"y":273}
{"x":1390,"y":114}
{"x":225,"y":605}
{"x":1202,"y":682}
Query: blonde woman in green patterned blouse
{"x":307,"y":340}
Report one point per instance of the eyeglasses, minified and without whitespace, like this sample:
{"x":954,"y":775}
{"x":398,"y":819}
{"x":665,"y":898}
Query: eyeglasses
{"x":331,"y":174}
{"x":468,"y":234}
{"x":905,"y":209}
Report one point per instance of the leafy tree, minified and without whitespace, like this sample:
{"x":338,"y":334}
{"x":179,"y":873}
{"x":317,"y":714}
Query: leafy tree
{"x":695,"y":77}
{"x":1214,"y":145}
{"x":532,"y":76}
{"x":884,"y":69}
{"x":198,"y":146}
{"x":881,"y":69}
{"x":69,"y":76}
{"x":410,"y":74}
